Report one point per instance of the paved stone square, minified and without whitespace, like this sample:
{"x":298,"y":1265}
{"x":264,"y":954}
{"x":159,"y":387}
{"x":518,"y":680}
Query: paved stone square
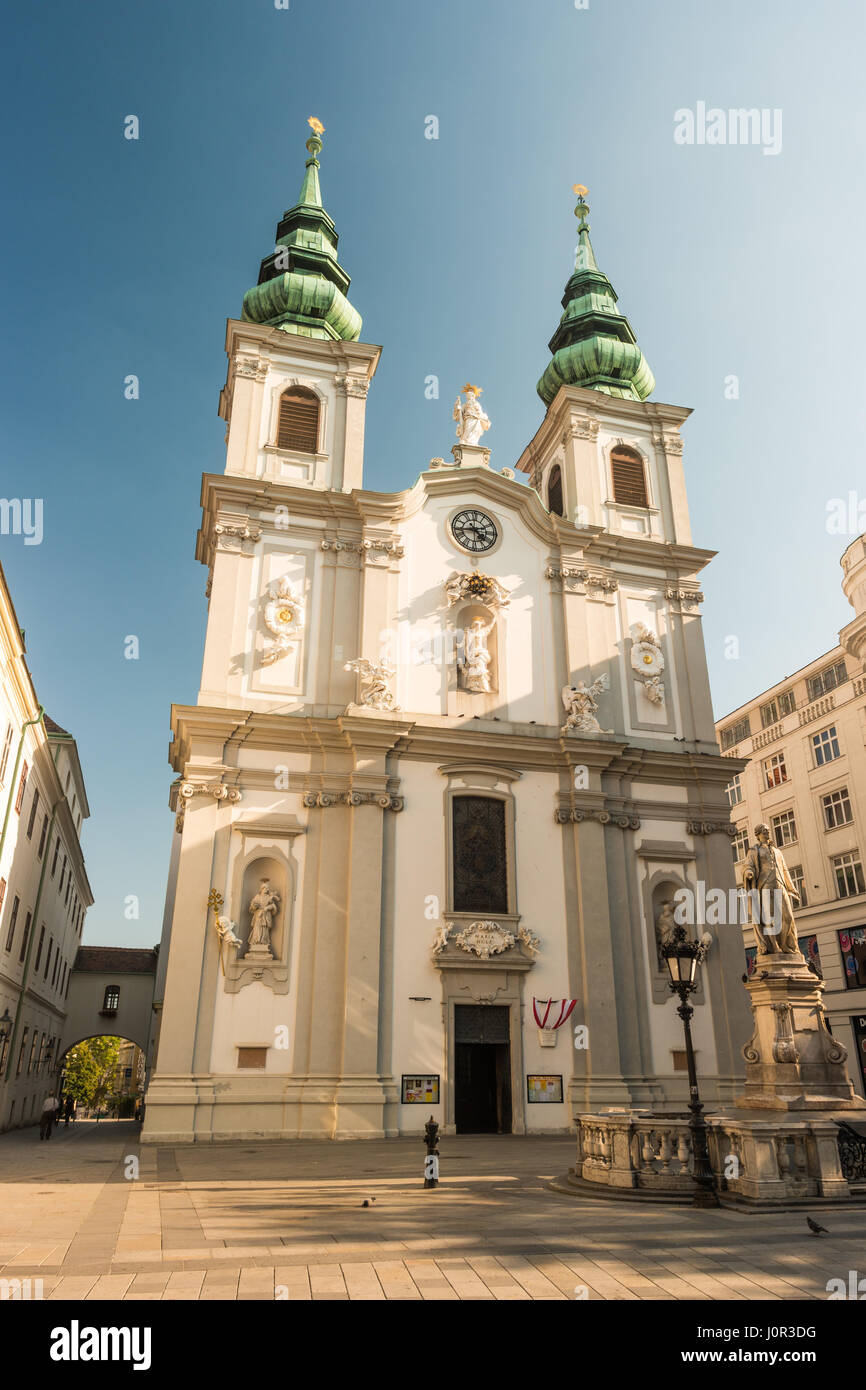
{"x":285,"y":1221}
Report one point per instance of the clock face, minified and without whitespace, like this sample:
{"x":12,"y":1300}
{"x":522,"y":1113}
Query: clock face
{"x":474,"y":531}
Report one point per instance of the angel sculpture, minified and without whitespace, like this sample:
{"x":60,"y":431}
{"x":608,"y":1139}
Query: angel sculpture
{"x":443,"y":933}
{"x":374,"y":677}
{"x":226,"y":930}
{"x":581,"y":706}
{"x":474,"y":661}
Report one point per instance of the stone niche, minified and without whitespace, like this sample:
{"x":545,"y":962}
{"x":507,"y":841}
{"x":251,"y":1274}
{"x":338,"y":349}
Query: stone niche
{"x":263,"y":856}
{"x":659,"y":887}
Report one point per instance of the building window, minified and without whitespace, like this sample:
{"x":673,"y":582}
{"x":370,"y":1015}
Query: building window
{"x":19,"y":799}
{"x":62,"y":874}
{"x":21,"y":1051}
{"x":111,"y":999}
{"x":826,"y":746}
{"x":837,"y":809}
{"x":554,"y":491}
{"x":23,"y":951}
{"x":34,"y":807}
{"x":740,"y":845}
{"x":784,"y":829}
{"x":852,"y":944}
{"x":775,"y":772}
{"x":253,"y":1058}
{"x":39,"y":949}
{"x":629,"y":478}
{"x":828,"y":679}
{"x":786,"y":702}
{"x":42,"y":835}
{"x":479,"y":855}
{"x":734,"y":791}
{"x":68,"y":886}
{"x":48,"y":957}
{"x":4,"y":756}
{"x":33,"y":1042}
{"x":54,"y":860}
{"x":54,"y":971}
{"x":769,"y":714}
{"x":849,"y":875}
{"x":735,"y":733}
{"x":10,"y":935}
{"x":799,"y":882}
{"x":298,"y":425}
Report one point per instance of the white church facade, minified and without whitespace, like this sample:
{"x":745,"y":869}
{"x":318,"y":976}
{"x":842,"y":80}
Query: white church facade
{"x":452,"y":753}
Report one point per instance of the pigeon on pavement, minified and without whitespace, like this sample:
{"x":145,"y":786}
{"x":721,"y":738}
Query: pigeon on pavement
{"x":368,"y":1201}
{"x":815,"y":1228}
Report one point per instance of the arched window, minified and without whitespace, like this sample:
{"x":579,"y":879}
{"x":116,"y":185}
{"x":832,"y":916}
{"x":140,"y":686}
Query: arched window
{"x":629,"y":478}
{"x":554,"y":491}
{"x":479,"y":854}
{"x":298,"y":423}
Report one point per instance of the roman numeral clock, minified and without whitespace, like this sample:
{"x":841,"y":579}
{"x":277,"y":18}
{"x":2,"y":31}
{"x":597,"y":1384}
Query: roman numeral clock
{"x":474,"y":531}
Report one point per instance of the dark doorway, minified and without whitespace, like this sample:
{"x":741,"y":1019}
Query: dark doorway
{"x":482,"y":1100}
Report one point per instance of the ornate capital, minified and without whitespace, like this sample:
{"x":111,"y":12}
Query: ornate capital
{"x":711,"y":827}
{"x":582,"y":427}
{"x":236,"y":538}
{"x":577,"y":580}
{"x":384,"y":800}
{"x":689,"y":598}
{"x":254,"y":367}
{"x":565,"y":815}
{"x":347,"y":385}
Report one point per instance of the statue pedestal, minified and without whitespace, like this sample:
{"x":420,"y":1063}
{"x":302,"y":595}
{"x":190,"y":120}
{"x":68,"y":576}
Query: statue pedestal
{"x":469,"y":455}
{"x":255,"y":955}
{"x":793,"y":1062}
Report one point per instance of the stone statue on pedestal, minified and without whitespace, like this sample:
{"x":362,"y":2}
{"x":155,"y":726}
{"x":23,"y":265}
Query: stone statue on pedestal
{"x":770,"y":896}
{"x":472,"y":421}
{"x":475,"y":659}
{"x":263,"y":913}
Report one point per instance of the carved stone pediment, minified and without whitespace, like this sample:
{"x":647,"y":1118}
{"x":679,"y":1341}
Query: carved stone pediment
{"x":485,"y":941}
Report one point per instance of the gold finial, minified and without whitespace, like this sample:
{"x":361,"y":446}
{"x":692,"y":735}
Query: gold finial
{"x":215,"y":900}
{"x":315,"y":125}
{"x":580,"y":189}
{"x":475,"y":390}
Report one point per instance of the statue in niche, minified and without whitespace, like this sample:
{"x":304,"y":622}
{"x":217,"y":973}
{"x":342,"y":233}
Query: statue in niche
{"x":581,"y":705}
{"x":770,"y":888}
{"x":665,"y":924}
{"x":472,"y":421}
{"x":474,"y":660}
{"x":263,"y":914}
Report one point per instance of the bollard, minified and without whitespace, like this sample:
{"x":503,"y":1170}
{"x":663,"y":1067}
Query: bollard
{"x":431,"y":1162}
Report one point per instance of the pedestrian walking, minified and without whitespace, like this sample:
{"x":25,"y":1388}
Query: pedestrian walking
{"x":48,"y":1116}
{"x":68,"y":1111}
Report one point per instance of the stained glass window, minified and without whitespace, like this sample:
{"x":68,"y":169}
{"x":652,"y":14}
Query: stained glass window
{"x":480,"y":869}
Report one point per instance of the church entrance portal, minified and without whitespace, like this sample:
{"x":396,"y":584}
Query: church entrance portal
{"x":482,"y":1092}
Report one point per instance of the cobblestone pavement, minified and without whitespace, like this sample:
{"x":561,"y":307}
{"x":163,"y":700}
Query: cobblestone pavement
{"x":285,"y":1221}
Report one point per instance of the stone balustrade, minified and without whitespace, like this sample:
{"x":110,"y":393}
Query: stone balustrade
{"x":775,"y":1159}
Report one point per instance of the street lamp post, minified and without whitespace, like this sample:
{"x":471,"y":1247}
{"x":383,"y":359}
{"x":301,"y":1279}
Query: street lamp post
{"x":683,"y":956}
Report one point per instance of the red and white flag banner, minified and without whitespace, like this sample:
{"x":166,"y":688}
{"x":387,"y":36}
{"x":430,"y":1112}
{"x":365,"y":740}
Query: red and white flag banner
{"x":555,"y":1012}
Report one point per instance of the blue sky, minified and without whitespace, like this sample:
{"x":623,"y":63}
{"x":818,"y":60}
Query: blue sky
{"x":127,"y":257}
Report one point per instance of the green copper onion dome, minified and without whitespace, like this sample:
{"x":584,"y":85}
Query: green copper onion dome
{"x":594,"y":346}
{"x":302,"y":286}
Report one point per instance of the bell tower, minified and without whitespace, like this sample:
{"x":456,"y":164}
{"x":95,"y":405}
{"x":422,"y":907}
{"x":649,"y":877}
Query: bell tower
{"x":605,"y":455}
{"x":295,"y":396}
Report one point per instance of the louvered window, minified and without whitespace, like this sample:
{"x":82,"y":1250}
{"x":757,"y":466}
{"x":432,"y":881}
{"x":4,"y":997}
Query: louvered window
{"x":629,"y":479}
{"x":298,"y":426}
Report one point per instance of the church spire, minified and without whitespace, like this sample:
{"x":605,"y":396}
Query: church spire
{"x":302,"y":286}
{"x":593,"y":346}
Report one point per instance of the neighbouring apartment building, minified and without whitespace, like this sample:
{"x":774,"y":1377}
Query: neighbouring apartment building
{"x":44,"y":891}
{"x":805,"y":739}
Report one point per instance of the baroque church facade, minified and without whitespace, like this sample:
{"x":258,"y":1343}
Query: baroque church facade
{"x":453,"y":751}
